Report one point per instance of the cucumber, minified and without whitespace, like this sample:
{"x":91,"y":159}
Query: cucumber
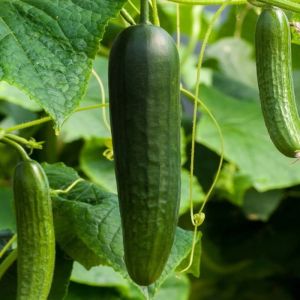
{"x":35,"y":231}
{"x":145,"y":120}
{"x":274,"y":73}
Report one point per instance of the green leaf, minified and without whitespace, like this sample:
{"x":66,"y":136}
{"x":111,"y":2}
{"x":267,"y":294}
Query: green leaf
{"x":232,"y":53}
{"x":14,"y":95}
{"x":88,"y":226}
{"x":240,"y":22}
{"x":234,"y":88}
{"x":89,"y":124}
{"x":98,"y":168}
{"x":198,"y":195}
{"x":296,"y":32}
{"x":246,"y":141}
{"x":47,"y":48}
{"x":189,"y":73}
{"x":295,"y":28}
{"x":104,"y":276}
{"x":175,"y":288}
{"x":195,"y":267}
{"x":260,"y":206}
{"x":98,"y":276}
{"x":7,"y":217}
{"x":15,"y":114}
{"x":8,"y":160}
{"x":232,"y":185}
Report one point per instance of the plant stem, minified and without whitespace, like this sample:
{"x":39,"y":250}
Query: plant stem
{"x":68,"y":189}
{"x":193,"y":98}
{"x":8,"y":261}
{"x":195,"y":31}
{"x":102,"y":93}
{"x":103,"y":51}
{"x":134,"y":7}
{"x":144,"y":18}
{"x":8,"y":245}
{"x":19,"y":148}
{"x":28,"y":124}
{"x":127,"y":17}
{"x":194,"y":126}
{"x":48,"y":119}
{"x":155,"y":13}
{"x":31,"y":143}
{"x":178,"y":26}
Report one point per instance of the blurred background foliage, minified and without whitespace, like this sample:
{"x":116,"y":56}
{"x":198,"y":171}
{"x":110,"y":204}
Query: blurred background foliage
{"x":251,"y":234}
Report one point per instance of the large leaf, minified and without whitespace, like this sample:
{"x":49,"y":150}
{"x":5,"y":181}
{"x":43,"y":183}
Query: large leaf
{"x":47,"y":48}
{"x":246,"y":141}
{"x":232,"y":53}
{"x":175,"y":288}
{"x":104,"y":276}
{"x":14,"y":95}
{"x":88,"y":225}
{"x":177,"y":285}
{"x":89,"y":124}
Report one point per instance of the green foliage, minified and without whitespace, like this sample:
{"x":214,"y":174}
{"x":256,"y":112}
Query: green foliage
{"x":249,"y":248}
{"x":88,"y":226}
{"x":47,"y":48}
{"x":7,"y":220}
{"x":247,"y":142}
{"x":89,"y":124}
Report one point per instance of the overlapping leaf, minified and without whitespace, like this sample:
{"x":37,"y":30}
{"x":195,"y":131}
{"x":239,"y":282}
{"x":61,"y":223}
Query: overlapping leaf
{"x":88,"y":225}
{"x":47,"y":48}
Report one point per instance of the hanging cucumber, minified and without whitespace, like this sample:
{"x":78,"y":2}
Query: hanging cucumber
{"x":35,"y":232}
{"x":275,"y":81}
{"x":145,"y":121}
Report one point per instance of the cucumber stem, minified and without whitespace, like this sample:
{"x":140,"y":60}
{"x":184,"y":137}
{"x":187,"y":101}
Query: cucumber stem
{"x":144,"y":18}
{"x":155,"y":13}
{"x":18,"y":147}
{"x":127,"y":17}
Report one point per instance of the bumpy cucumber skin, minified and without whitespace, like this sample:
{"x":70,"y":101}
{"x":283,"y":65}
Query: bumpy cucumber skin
{"x":275,"y":81}
{"x":145,"y":119}
{"x":35,"y":231}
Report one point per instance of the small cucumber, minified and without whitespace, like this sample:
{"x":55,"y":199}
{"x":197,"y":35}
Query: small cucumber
{"x":274,"y":73}
{"x":35,"y":231}
{"x":145,"y":120}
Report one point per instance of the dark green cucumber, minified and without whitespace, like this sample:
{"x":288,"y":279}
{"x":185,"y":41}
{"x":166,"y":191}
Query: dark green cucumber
{"x":275,"y":81}
{"x":35,"y":232}
{"x":145,"y":119}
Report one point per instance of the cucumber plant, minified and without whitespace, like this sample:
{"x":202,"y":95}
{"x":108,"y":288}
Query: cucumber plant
{"x":275,"y":81}
{"x":145,"y":120}
{"x":35,"y":231}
